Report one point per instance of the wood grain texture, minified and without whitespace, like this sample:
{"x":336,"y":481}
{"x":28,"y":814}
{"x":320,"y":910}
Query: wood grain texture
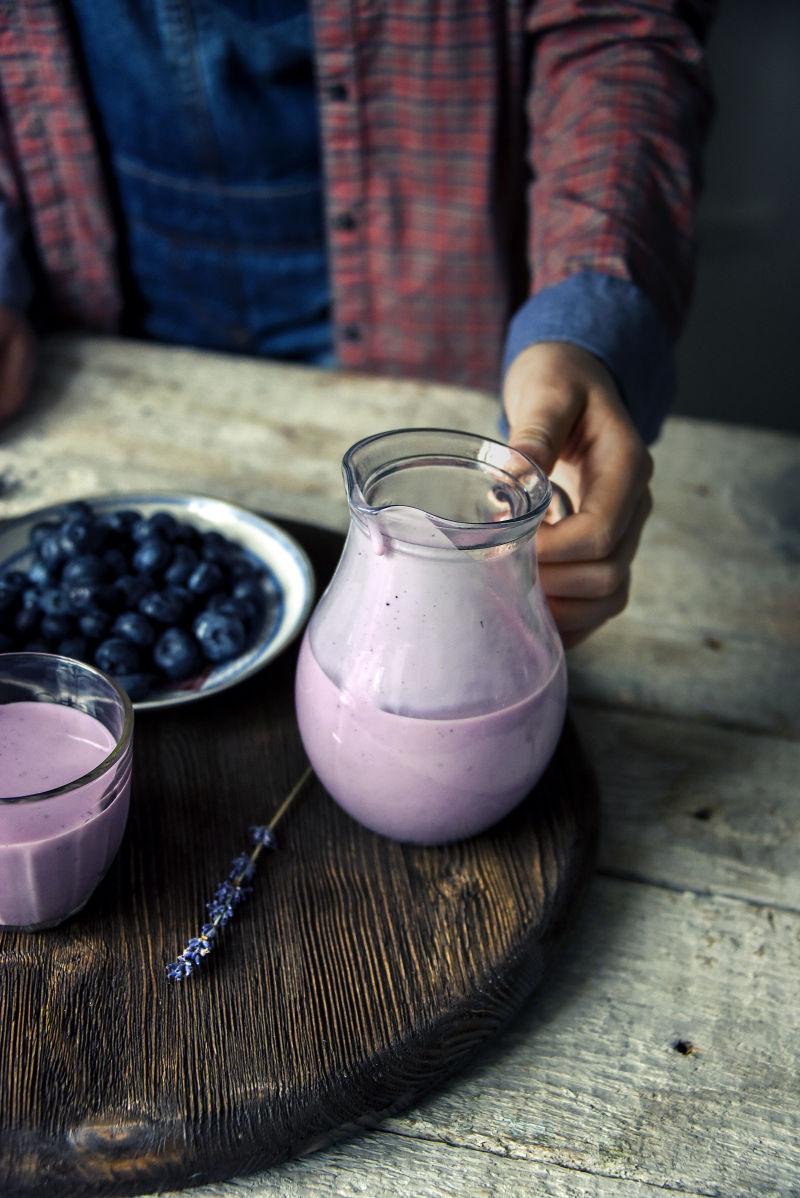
{"x":589,"y":1077}
{"x":361,"y":974}
{"x":388,"y":1165}
{"x":711,"y":631}
{"x":697,"y":808}
{"x":586,"y":1092}
{"x":689,"y":702}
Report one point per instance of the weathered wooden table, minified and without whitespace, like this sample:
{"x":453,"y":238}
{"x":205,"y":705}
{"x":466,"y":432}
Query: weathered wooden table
{"x":663,"y":1052}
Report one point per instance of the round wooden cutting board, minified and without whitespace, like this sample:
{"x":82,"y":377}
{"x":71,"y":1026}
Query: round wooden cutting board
{"x":359,"y":974}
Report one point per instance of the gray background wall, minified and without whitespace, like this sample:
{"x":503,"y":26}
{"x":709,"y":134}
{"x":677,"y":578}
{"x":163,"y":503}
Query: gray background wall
{"x":740,"y":356}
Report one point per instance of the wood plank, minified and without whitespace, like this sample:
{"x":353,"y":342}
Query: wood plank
{"x":112,"y":414}
{"x":749,"y":683}
{"x":588,"y":1077}
{"x":689,"y":806}
{"x":386,"y":1165}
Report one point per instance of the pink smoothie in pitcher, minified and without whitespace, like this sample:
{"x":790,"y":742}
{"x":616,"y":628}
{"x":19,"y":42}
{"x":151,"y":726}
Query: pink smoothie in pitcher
{"x":425,"y":780}
{"x":431,"y":684}
{"x":53,"y":851}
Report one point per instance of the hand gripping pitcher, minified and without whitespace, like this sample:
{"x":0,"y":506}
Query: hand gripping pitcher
{"x":431,"y":684}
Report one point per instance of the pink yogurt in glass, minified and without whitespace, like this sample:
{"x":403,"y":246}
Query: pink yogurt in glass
{"x":62,"y":816}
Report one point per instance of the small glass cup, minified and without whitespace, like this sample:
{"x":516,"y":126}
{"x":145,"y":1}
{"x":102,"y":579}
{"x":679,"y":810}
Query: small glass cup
{"x":56,"y":844}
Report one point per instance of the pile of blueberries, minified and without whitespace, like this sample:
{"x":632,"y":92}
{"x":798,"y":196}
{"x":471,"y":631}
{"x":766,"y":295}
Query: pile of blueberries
{"x":150,"y":600}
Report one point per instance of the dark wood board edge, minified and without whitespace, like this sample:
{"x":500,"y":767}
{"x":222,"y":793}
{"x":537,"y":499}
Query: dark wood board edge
{"x":114,"y":1160}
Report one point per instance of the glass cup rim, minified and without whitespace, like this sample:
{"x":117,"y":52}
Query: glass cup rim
{"x":358,"y":501}
{"x":122,"y":743}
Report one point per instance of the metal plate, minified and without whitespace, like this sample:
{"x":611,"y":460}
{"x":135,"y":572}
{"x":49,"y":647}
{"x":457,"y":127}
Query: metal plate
{"x":264,"y":541}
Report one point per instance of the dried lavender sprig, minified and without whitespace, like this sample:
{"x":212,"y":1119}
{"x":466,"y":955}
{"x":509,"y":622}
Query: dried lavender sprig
{"x":230,"y":893}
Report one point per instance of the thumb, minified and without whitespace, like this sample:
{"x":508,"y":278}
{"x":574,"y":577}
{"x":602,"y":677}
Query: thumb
{"x":542,"y":406}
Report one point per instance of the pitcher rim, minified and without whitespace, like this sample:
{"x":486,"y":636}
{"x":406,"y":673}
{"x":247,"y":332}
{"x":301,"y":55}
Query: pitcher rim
{"x":364,"y":508}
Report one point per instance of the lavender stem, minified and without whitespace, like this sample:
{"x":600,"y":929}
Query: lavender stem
{"x":233,"y":890}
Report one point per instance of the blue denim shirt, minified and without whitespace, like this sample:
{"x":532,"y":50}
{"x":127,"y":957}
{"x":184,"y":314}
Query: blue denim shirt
{"x":209,"y":117}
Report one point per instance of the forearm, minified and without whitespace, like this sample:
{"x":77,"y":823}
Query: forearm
{"x":618,"y":113}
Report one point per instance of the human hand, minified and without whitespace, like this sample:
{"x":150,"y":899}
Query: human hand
{"x":17,"y":356}
{"x":564,"y":411}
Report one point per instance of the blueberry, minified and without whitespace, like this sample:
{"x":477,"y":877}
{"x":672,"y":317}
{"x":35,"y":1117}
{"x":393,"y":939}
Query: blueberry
{"x":35,"y":646}
{"x":122,"y":522}
{"x":241,"y":566}
{"x":8,"y":601}
{"x":86,"y":567}
{"x":39,"y":574}
{"x":152,"y":555}
{"x":176,"y":654}
{"x":205,"y":579}
{"x":250,"y":588}
{"x":117,"y":656}
{"x":27,"y":620}
{"x":31,"y":597}
{"x":215,"y":541}
{"x":54,"y":627}
{"x":14,"y":580}
{"x":165,"y":607}
{"x":74,"y":646}
{"x":227,"y":605}
{"x":138,"y":686}
{"x":141,"y":529}
{"x":221,"y":555}
{"x":186,"y":598}
{"x":6,"y":643}
{"x":40,"y":531}
{"x":164,"y":524}
{"x":76,"y":509}
{"x":94,"y":623}
{"x":116,"y":562}
{"x":55,"y":602}
{"x":271,"y":587}
{"x":221,"y":637}
{"x":50,"y":551}
{"x":9,"y":598}
{"x":185,"y":534}
{"x":184,"y":561}
{"x":83,"y":596}
{"x":133,"y":626}
{"x":79,"y":536}
{"x":132,"y":588}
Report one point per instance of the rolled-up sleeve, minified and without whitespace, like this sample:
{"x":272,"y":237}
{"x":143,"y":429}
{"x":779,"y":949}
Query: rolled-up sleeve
{"x":618,"y":112}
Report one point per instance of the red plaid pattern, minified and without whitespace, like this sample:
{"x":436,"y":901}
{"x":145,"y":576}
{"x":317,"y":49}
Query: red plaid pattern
{"x":435,"y":119}
{"x":49,"y":164}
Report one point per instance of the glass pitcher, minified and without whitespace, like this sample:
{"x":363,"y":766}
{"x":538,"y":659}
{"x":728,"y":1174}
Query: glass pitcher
{"x":431,"y":684}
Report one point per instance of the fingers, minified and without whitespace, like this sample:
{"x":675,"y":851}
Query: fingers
{"x":615,"y":471}
{"x":598,"y":579}
{"x":583,"y":616}
{"x":563,"y":407}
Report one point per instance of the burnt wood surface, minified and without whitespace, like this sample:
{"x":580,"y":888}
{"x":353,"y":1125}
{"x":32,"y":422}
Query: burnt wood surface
{"x":359,"y":975}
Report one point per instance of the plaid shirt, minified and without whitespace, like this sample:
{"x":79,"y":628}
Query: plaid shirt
{"x":481,"y":156}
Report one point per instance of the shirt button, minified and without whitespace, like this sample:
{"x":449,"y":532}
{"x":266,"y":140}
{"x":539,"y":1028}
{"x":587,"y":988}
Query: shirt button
{"x":345,"y":221}
{"x":337,"y":91}
{"x":351,"y":332}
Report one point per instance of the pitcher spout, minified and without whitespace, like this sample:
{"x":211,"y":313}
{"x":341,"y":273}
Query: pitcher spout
{"x":439,"y":487}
